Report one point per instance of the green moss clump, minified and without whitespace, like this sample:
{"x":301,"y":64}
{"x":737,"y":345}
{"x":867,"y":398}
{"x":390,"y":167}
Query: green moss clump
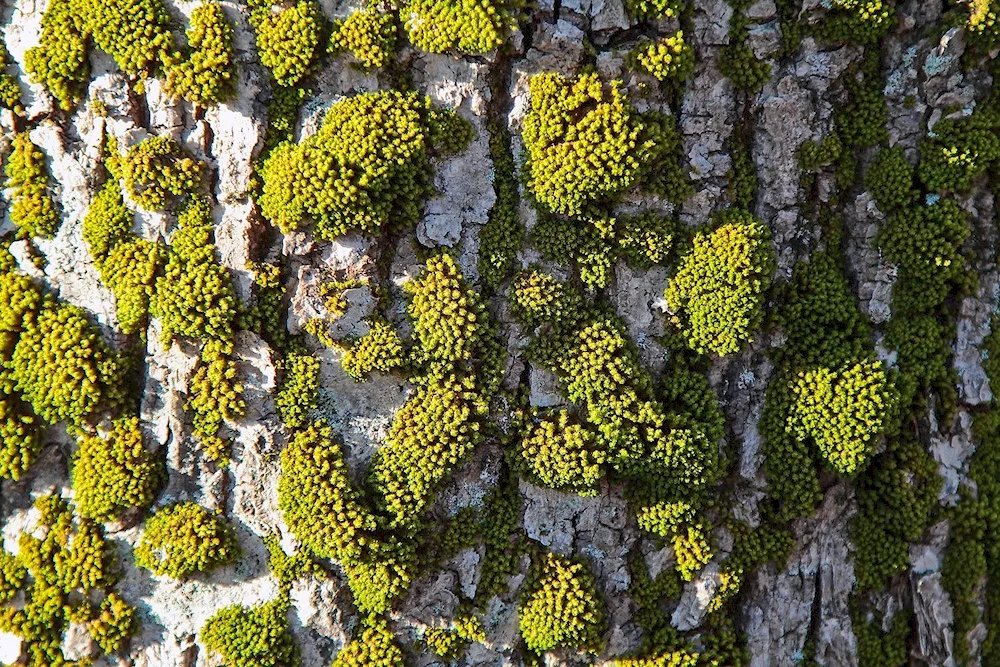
{"x":194,"y":296}
{"x":369,"y":164}
{"x":369,"y":35}
{"x":382,"y":576}
{"x":62,"y":367}
{"x":654,"y":9}
{"x":890,"y":180}
{"x":583,"y":142}
{"x":503,"y":234}
{"x":215,"y":395}
{"x":23,"y":301}
{"x":31,"y":208}
{"x":825,"y":330}
{"x":449,"y":317}
{"x":663,"y":172}
{"x":107,"y":223}
{"x":297,"y":396}
{"x":282,"y":114}
{"x":136,"y":33}
{"x":374,"y":646}
{"x":317,"y":499}
{"x":266,"y":314}
{"x":738,"y":62}
{"x":252,"y":636}
{"x":287,"y":569}
{"x":560,"y":606}
{"x":157,"y":169}
{"x":925,"y":242}
{"x":314,"y":476}
{"x":430,"y":435}
{"x":115,"y":624}
{"x":813,"y":155}
{"x":381,"y":349}
{"x":742,"y":177}
{"x":114,"y":474}
{"x":64,"y":570}
{"x":960,"y":151}
{"x":130,"y":272}
{"x":205,"y":76}
{"x":858,"y":21}
{"x":445,"y":643}
{"x":862,"y":121}
{"x":717,"y":294}
{"x":470,"y":26}
{"x":983,"y":26}
{"x":563,"y":455}
{"x":288,"y":41}
{"x":184,"y":538}
{"x":667,"y":58}
{"x":877,"y":647}
{"x":672,"y":659}
{"x":12,"y":576}
{"x":10,"y":90}
{"x":538,"y":298}
{"x":677,"y":521}
{"x":896,"y":497}
{"x":20,"y":438}
{"x":60,"y":60}
{"x":843,"y":412}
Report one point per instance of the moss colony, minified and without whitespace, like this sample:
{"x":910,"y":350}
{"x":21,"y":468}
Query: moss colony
{"x":481,"y":332}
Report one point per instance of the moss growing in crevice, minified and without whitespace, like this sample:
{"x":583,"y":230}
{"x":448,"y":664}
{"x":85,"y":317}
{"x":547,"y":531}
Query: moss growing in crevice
{"x":194,"y":295}
{"x":381,"y":349}
{"x":826,"y":335}
{"x":503,"y":234}
{"x":668,"y":58}
{"x":32,"y":209}
{"x":20,"y":438}
{"x":10,"y":89}
{"x":663,"y":451}
{"x":737,"y":61}
{"x":215,"y":396}
{"x":296,"y":398}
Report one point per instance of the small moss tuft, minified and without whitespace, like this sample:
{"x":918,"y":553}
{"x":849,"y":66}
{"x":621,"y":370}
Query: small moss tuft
{"x":184,"y":538}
